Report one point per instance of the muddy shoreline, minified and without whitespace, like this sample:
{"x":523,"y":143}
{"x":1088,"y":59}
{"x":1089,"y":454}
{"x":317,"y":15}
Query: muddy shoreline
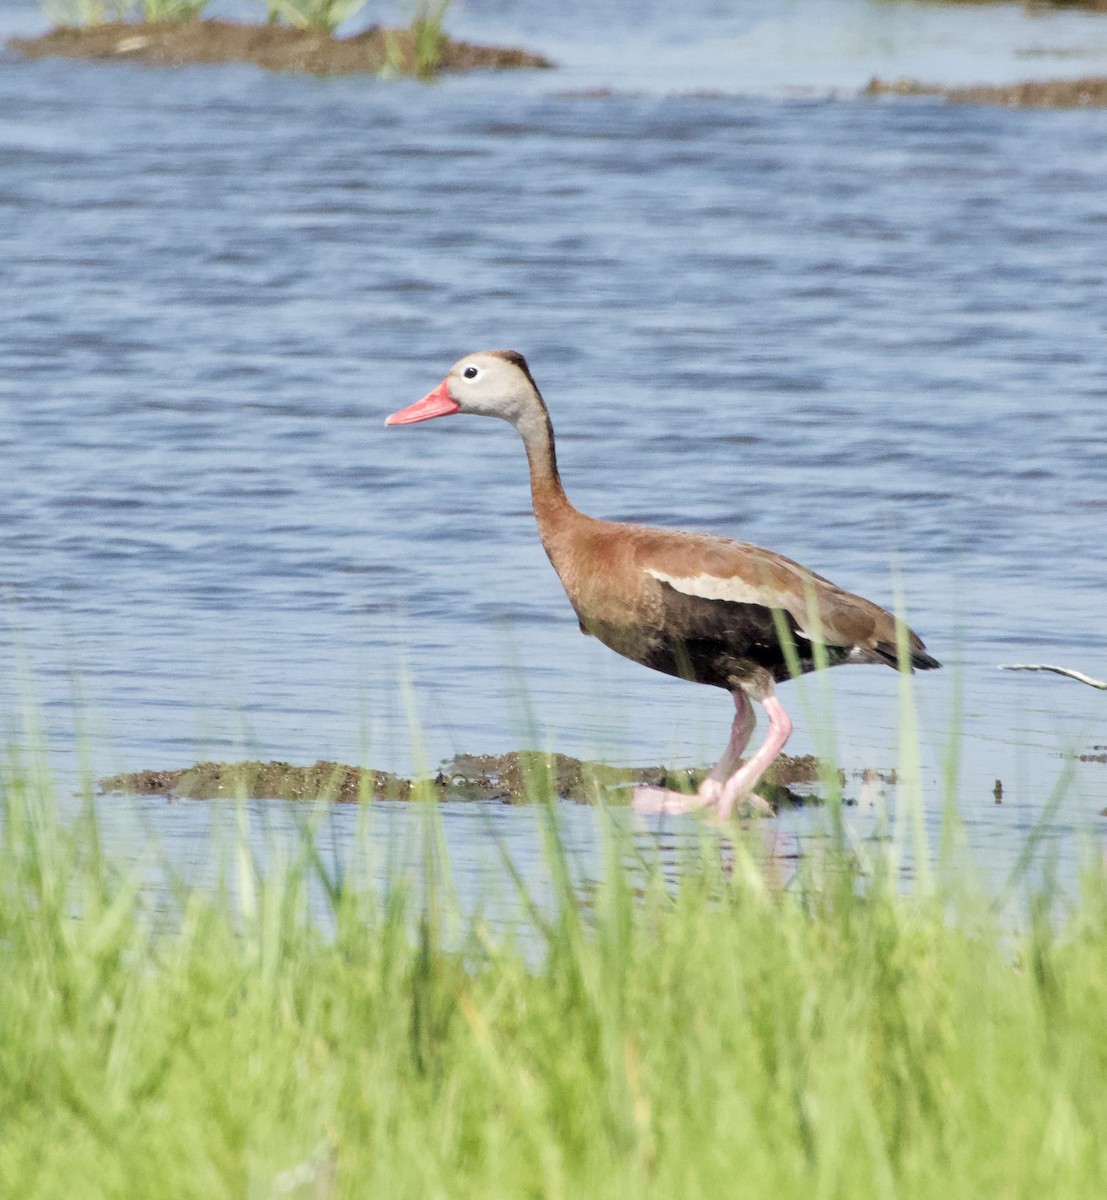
{"x":513,"y":778}
{"x":272,"y":47}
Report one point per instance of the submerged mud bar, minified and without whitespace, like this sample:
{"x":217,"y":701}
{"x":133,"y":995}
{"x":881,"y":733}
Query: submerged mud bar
{"x":1088,"y":92}
{"x":518,"y":777}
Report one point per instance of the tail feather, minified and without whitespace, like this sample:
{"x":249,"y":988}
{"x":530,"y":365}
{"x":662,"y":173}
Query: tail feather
{"x":920,"y":660}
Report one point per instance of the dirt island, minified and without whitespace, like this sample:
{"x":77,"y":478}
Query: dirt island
{"x":414,"y":50}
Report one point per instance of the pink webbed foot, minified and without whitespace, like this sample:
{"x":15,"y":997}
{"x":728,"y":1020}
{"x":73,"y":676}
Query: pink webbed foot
{"x":649,"y":800}
{"x":751,"y":800}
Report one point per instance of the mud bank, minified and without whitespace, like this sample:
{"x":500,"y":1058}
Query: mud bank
{"x":273,"y":47}
{"x":1090,"y":92}
{"x":508,"y":778}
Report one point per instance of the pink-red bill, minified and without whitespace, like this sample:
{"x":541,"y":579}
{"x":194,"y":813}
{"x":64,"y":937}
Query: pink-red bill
{"x":438,"y":403}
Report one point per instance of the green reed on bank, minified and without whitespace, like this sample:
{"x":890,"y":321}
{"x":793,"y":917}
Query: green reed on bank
{"x":319,"y":16}
{"x":316,"y":16}
{"x":174,"y":11}
{"x":80,"y":13}
{"x":427,"y":35}
{"x":324,"y":16}
{"x":694,"y":1033}
{"x":420,"y":51}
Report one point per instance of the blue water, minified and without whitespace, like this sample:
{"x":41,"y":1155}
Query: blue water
{"x":868,"y":334}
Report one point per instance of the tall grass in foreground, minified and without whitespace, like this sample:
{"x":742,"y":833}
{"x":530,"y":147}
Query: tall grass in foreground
{"x":713,"y":1036}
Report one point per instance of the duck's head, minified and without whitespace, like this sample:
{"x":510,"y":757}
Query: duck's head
{"x":492,"y":383}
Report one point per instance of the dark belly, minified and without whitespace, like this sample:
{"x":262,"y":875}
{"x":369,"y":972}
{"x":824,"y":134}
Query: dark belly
{"x":715,"y":642}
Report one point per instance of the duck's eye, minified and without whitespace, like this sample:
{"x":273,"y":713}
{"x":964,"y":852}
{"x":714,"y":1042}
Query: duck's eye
{"x":470,"y":372}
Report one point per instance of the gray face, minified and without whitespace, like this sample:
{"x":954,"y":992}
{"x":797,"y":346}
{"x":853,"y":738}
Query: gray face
{"x":492,"y":386}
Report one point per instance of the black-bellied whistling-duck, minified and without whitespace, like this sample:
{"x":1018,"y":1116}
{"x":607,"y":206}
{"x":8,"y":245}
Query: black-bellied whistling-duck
{"x":689,"y":604}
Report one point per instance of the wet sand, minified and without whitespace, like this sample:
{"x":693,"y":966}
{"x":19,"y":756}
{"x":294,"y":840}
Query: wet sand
{"x":273,"y":47}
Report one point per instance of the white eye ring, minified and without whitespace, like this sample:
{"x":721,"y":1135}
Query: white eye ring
{"x":470,"y":372}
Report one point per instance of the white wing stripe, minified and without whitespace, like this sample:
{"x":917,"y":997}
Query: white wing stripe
{"x":713,"y":587}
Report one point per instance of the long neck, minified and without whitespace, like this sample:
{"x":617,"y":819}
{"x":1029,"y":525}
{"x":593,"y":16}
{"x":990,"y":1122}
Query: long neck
{"x":554,"y":513}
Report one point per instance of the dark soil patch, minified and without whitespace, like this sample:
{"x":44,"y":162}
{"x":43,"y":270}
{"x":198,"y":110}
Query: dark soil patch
{"x":274,"y":47}
{"x":1061,"y":93}
{"x":513,"y":778}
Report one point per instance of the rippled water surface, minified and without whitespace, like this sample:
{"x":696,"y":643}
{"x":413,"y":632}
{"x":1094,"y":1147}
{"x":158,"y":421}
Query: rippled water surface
{"x":870,"y":335}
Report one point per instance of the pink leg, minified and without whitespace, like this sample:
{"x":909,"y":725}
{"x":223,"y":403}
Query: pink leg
{"x":728,"y":782}
{"x":740,"y":733}
{"x":741,"y":784}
